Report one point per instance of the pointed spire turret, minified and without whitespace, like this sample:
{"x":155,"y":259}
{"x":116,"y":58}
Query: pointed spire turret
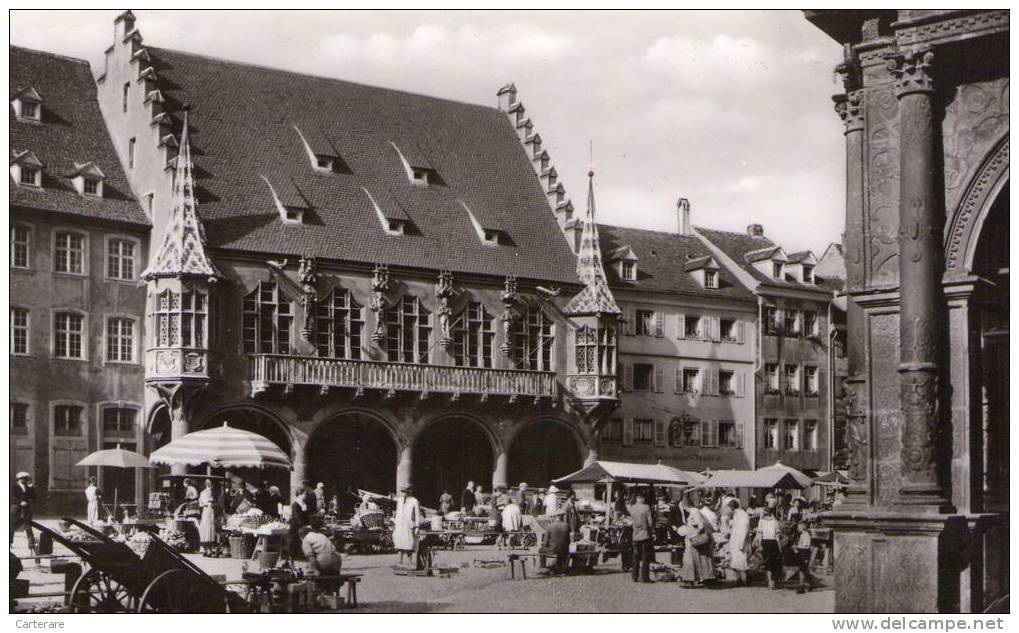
{"x":595,"y":298}
{"x":183,"y":251}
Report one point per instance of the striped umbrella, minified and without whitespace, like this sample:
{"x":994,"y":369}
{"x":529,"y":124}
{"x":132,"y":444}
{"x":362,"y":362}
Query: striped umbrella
{"x":222,"y":447}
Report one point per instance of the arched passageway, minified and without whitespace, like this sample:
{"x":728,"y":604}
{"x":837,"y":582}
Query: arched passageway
{"x":265,"y":425}
{"x":541,"y":452}
{"x":352,"y":451}
{"x":447,"y":455}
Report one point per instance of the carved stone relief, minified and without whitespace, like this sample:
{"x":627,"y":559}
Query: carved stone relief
{"x":881,"y":231}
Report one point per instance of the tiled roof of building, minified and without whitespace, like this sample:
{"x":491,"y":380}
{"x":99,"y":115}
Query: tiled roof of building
{"x":662,"y":259}
{"x":737,"y":246}
{"x":71,"y":133}
{"x":242,"y":127}
{"x":798,"y":256}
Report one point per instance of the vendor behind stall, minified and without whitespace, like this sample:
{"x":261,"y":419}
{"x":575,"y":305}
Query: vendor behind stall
{"x":323,"y":559}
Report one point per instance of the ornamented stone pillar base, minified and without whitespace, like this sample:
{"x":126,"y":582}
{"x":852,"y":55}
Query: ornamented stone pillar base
{"x":896,"y":562}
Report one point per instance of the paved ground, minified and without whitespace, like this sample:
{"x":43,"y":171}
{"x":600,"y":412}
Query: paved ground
{"x":476,"y":589}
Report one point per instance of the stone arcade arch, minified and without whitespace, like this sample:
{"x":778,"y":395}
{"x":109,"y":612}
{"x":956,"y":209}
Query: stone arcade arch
{"x":542,"y":450}
{"x":262,"y":421}
{"x":352,"y":449}
{"x":449,"y":452}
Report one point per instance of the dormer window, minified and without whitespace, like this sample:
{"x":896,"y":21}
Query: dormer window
{"x":320,"y":149}
{"x":88,"y":179}
{"x":288,"y":198}
{"x":324,"y":164}
{"x":628,"y":271}
{"x":416,"y":164}
{"x":26,"y":169}
{"x":391,"y":215}
{"x":395,"y":227}
{"x":808,"y":274}
{"x":486,"y":225}
{"x":27,"y":105}
{"x":777,"y":268}
{"x":711,"y":279}
{"x":29,"y":176}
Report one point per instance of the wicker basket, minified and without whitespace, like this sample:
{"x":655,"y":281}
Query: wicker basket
{"x":241,"y":546}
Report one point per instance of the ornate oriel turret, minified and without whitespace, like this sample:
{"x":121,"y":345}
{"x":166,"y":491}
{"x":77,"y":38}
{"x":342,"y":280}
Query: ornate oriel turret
{"x":591,"y":382}
{"x":178,"y":365}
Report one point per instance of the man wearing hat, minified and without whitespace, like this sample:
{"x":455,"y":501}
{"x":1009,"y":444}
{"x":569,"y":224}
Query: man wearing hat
{"x":406,"y":520}
{"x":523,"y":499}
{"x":551,"y":501}
{"x":22,"y":496}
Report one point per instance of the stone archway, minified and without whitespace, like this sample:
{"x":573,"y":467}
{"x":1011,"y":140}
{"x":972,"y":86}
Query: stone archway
{"x":352,"y":450}
{"x":448,"y":453}
{"x":543,"y":450}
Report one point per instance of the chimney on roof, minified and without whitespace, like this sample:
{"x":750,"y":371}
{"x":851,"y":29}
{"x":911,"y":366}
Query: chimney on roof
{"x":683,"y":216}
{"x":507,"y":96}
{"x":755,"y":230}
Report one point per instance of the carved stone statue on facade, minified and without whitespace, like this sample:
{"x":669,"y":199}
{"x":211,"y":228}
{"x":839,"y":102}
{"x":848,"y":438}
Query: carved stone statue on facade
{"x":307,"y":277}
{"x":444,"y":292}
{"x":380,"y":285}
{"x":509,"y":299}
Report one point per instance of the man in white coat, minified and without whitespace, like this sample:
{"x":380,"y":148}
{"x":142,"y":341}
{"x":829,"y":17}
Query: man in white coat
{"x":406,"y":520}
{"x":512,"y":518}
{"x":551,"y":501}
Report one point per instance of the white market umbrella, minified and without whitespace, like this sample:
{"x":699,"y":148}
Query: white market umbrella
{"x":115,"y":458}
{"x":222,"y":447}
{"x":799,"y":476}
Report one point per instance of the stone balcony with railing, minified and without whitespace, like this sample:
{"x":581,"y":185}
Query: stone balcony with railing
{"x":268,"y":370}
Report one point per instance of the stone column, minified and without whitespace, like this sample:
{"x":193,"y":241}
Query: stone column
{"x":404,"y":466}
{"x":921,"y":216}
{"x":178,"y":429}
{"x":850,"y":107}
{"x":592,"y":450}
{"x":499,"y":474}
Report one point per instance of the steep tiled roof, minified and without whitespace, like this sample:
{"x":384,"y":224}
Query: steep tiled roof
{"x":737,"y":246}
{"x":798,"y":256}
{"x":662,"y":259}
{"x":71,"y":133}
{"x":242,"y":127}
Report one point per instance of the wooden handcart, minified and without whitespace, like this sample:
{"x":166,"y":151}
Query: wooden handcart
{"x":120,"y":581}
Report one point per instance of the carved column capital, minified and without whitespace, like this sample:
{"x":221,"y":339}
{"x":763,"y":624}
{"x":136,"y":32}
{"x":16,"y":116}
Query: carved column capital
{"x":849,"y":107}
{"x":913,"y":71}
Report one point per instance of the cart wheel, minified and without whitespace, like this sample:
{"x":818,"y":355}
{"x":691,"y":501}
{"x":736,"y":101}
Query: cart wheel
{"x":95,"y":592}
{"x":171,"y":592}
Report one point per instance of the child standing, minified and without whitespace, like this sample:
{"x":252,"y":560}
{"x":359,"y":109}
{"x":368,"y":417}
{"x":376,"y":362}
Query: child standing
{"x":803,"y":556}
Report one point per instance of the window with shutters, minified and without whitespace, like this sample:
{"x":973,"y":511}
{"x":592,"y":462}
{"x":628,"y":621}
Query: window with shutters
{"x":727,"y":331}
{"x":119,"y":421}
{"x":691,"y":380}
{"x":21,"y":243}
{"x":120,"y":332}
{"x":267,"y":321}
{"x":792,"y":379}
{"x":772,"y":376}
{"x":812,"y":380}
{"x":532,"y":341}
{"x":645,"y":323}
{"x":643,"y":377}
{"x":643,"y":431}
{"x":791,"y":435}
{"x":613,"y":433}
{"x":693,"y":327}
{"x":810,"y":324}
{"x":771,"y":320}
{"x":69,"y":335}
{"x":792,"y":322}
{"x":726,"y":383}
{"x":709,"y":434}
{"x":408,"y":331}
{"x":19,"y":418}
{"x":69,"y":253}
{"x":338,"y":326}
{"x":19,"y":331}
{"x":473,"y":335}
{"x":67,"y":420}
{"x":810,"y":435}
{"x":120,"y":258}
{"x":727,"y":434}
{"x":770,"y":433}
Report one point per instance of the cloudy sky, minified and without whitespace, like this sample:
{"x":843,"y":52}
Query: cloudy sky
{"x":729,"y":109}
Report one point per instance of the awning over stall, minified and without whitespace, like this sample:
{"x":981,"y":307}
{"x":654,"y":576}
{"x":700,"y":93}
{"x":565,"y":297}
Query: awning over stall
{"x":602,"y":472}
{"x":763,"y":478}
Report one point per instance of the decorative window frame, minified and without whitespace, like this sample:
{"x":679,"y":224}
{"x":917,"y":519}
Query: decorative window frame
{"x":135,"y":339}
{"x":85,"y":339}
{"x":107,"y":238}
{"x":86,"y":250}
{"x":31,"y":243}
